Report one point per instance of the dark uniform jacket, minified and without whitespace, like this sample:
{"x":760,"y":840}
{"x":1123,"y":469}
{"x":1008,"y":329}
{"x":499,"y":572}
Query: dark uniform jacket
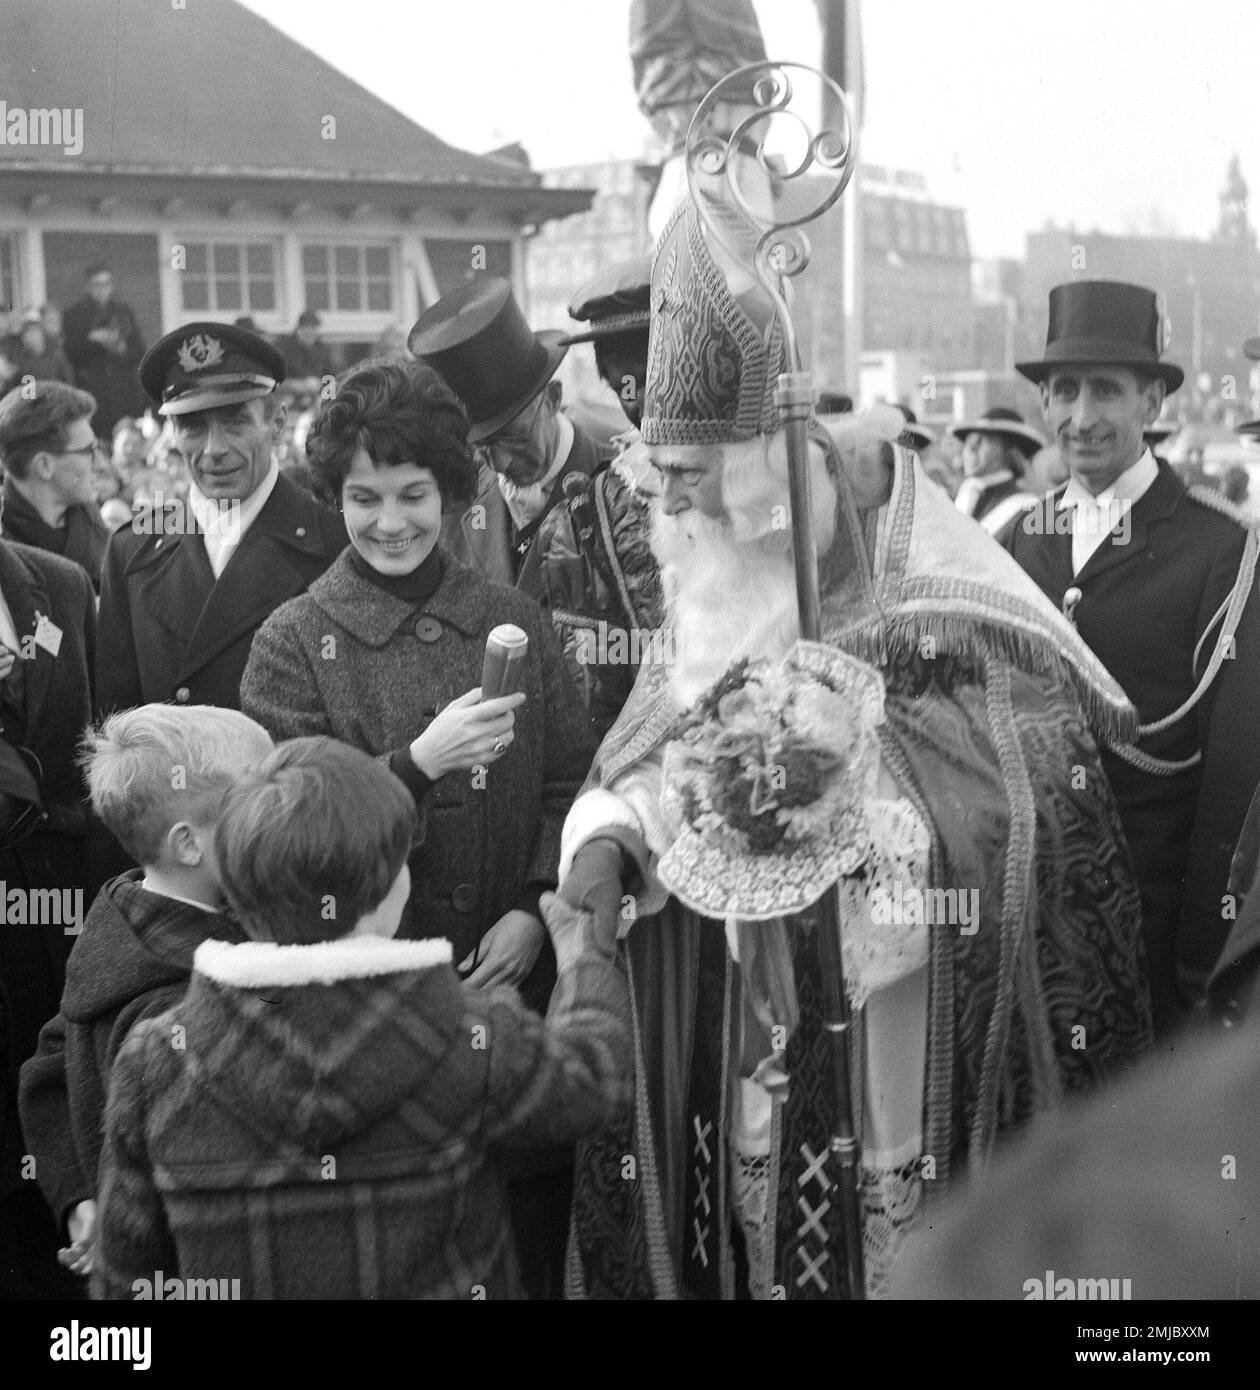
{"x":1144,"y":609}
{"x":170,"y":632}
{"x":486,"y":539}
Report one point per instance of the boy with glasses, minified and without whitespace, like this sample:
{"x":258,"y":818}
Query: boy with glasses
{"x":48,"y":450}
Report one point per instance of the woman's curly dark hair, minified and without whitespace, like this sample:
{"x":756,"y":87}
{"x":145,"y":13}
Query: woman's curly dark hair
{"x":400,"y":412}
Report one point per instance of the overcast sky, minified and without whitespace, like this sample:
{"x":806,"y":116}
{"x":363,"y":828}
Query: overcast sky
{"x":1115,"y":114}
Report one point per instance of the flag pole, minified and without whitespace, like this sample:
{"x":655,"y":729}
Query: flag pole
{"x":718,"y":150}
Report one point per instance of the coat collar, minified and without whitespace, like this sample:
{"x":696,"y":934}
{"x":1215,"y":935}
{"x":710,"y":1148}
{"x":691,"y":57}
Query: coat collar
{"x":290,"y":516}
{"x":1156,"y":504}
{"x":373,"y":616}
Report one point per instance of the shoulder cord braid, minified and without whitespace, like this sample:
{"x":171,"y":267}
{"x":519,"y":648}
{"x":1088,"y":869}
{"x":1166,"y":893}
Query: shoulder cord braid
{"x":612,"y":566}
{"x":1234,"y":605}
{"x":1016,"y":894}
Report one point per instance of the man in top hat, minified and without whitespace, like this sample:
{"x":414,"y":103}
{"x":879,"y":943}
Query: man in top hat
{"x":600,"y":578}
{"x":1155,"y":577}
{"x":983,"y":695}
{"x":997,"y":449}
{"x":186,"y":586}
{"x":477,"y":339}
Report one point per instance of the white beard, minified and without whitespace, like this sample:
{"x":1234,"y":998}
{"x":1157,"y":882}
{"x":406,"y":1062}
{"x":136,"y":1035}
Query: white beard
{"x":725,"y":598}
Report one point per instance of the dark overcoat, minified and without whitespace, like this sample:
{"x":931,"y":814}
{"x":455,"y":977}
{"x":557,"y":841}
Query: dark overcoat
{"x":485,"y":538}
{"x":44,"y":706}
{"x":170,"y":632}
{"x":349,"y":660}
{"x":1146,"y":604}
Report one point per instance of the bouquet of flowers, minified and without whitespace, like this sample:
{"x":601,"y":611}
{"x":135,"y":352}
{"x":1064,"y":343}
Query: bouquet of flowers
{"x":768,"y":783}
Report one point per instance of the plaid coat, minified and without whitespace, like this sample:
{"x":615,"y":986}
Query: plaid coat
{"x":318,"y":1121}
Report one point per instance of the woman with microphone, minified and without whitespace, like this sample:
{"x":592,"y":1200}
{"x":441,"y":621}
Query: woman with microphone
{"x":386,"y":652}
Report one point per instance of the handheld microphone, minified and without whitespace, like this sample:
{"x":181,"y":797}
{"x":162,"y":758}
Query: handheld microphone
{"x":505,"y":660}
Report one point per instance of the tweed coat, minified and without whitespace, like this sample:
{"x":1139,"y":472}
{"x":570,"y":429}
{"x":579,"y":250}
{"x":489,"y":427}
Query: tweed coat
{"x":44,"y":706}
{"x":330,"y":1128}
{"x":1146,"y":606}
{"x":352,"y":661}
{"x":484,"y":536}
{"x":171,"y":632}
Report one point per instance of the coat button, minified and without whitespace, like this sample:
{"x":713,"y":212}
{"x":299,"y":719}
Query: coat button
{"x":301,"y":531}
{"x":182,"y":694}
{"x":464,"y":898}
{"x":428,"y":629}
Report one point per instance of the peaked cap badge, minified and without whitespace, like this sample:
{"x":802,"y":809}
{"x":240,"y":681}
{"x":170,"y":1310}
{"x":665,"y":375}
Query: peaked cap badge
{"x":199,"y":352}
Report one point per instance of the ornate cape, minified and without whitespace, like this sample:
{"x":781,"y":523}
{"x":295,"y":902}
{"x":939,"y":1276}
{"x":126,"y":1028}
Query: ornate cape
{"x":992,"y":708}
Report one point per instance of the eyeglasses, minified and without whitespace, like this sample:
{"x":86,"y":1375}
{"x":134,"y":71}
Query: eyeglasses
{"x":517,"y":438}
{"x":95,"y":448}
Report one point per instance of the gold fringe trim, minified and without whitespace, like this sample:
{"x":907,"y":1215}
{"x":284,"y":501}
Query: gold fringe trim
{"x":976,"y":639}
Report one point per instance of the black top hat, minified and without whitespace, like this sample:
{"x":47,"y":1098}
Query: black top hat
{"x":617,"y":300}
{"x":204,"y":365}
{"x":1006,"y":424}
{"x":1104,"y":322}
{"x":477,"y":340}
{"x":915,"y":436}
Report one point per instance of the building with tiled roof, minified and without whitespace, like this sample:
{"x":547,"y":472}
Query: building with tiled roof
{"x":221,"y":169}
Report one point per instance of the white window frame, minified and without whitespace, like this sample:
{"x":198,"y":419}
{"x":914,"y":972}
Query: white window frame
{"x":362,"y":244}
{"x":212,"y":310}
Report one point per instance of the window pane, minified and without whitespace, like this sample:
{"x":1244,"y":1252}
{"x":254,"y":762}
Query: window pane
{"x":258,"y":260}
{"x":314,"y":260}
{"x":349,"y":295}
{"x":317,"y":294}
{"x":195,"y":294}
{"x":227,"y":259}
{"x":228,"y":294}
{"x":378,"y":295}
{"x":195,"y":257}
{"x":346,"y":259}
{"x":376,"y":260}
{"x":262,"y":294}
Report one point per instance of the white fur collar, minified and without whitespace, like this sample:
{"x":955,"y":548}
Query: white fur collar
{"x":264,"y":963}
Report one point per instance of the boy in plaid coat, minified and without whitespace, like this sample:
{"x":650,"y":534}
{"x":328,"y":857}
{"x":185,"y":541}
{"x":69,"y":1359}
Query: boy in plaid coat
{"x":318,"y":1118}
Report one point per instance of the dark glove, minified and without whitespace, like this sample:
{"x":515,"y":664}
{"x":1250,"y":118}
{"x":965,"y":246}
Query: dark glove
{"x":593,"y":883}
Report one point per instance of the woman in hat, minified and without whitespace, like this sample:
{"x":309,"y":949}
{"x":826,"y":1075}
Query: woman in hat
{"x":997,"y":449}
{"x":385,"y":652}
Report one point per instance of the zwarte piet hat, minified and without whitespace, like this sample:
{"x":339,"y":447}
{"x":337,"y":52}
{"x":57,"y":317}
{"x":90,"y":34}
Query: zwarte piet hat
{"x":1104,"y":322}
{"x":204,"y":365}
{"x":478,"y":341}
{"x":617,"y":300}
{"x":1006,"y":424}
